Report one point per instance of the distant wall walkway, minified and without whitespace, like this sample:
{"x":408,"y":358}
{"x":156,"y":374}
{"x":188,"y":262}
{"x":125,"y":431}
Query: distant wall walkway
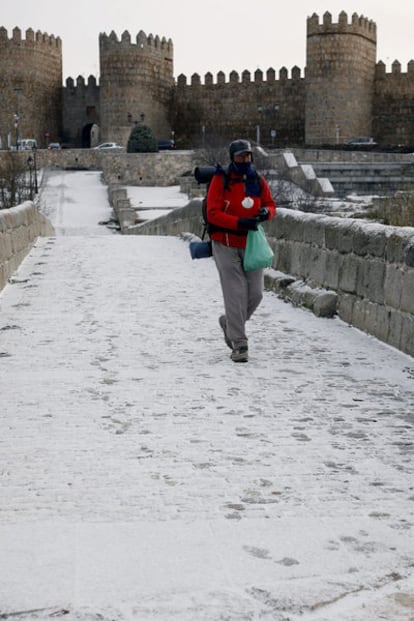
{"x":364,"y":272}
{"x":19,"y":228}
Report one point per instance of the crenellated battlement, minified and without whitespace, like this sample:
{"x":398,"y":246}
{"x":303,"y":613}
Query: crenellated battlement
{"x":30,"y":84}
{"x":81,"y":83}
{"x":359,"y":25}
{"x":340,"y":70}
{"x":136,"y":79}
{"x":381,"y":69}
{"x":245,"y":77}
{"x":341,"y":92}
{"x":39,"y":39}
{"x":142,"y":41}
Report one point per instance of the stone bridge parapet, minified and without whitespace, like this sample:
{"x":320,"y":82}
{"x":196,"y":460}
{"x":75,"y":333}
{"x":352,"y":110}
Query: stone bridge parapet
{"x":363,"y":272}
{"x":19,"y":228}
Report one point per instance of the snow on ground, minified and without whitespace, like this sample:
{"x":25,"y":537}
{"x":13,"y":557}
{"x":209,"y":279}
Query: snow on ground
{"x":76,"y":202}
{"x":152,"y":203}
{"x":144,"y":476}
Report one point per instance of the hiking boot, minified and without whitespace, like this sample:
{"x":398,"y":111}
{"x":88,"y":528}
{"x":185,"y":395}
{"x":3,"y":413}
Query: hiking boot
{"x":240,"y":355}
{"x":223,"y":326}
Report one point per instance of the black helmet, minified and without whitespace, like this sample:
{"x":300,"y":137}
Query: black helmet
{"x":239,"y":146}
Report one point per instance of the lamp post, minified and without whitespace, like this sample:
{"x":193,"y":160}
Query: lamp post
{"x":30,"y":165}
{"x":35,"y":169}
{"x":17,"y":90}
{"x":265,"y":114}
{"x":337,"y":133}
{"x":16,"y":127}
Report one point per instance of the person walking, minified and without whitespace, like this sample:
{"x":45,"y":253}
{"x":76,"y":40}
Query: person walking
{"x":237,"y":201}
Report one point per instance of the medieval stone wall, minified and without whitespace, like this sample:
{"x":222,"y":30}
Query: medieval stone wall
{"x":206,"y":112}
{"x":342,"y":94}
{"x":339,"y":78}
{"x":19,"y":229}
{"x":393,"y":111}
{"x":81,"y":117}
{"x":135,"y":85}
{"x":30,"y":85}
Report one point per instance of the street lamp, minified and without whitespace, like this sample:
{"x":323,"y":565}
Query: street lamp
{"x":17,"y":90}
{"x":337,"y":133}
{"x":34,"y":149}
{"x":16,"y":127}
{"x":267,"y":112}
{"x":30,"y":165}
{"x":258,"y":134}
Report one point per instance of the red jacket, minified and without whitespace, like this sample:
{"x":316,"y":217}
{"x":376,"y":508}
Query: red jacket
{"x":224,"y":207}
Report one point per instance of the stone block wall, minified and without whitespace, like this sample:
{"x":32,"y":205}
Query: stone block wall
{"x":19,"y":228}
{"x":136,"y":84}
{"x":393,"y":103}
{"x":118,"y":167}
{"x":210,"y":113}
{"x":340,"y":71}
{"x":30,"y":85}
{"x":367,"y":269}
{"x":81,"y":105}
{"x":341,"y":93}
{"x":146,"y":169}
{"x":369,"y":266}
{"x":124,"y":213}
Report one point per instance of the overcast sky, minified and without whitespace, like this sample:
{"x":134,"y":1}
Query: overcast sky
{"x":208,"y":36}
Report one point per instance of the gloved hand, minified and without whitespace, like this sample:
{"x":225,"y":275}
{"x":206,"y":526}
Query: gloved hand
{"x":248,"y":224}
{"x":263,"y":214}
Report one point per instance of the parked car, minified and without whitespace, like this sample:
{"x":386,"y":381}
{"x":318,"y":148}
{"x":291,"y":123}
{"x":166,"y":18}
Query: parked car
{"x":165,"y":145}
{"x":26,"y":144}
{"x":365,"y":141}
{"x":54,"y":146}
{"x":108,"y":145}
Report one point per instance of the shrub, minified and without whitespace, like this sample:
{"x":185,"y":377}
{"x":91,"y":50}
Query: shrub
{"x":141,"y":140}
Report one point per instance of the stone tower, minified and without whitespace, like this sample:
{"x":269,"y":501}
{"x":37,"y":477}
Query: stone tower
{"x":340,"y":73}
{"x":136,"y":83}
{"x":30,"y":86}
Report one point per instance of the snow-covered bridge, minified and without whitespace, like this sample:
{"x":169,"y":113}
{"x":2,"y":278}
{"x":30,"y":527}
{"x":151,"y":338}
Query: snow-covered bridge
{"x":145,"y":476}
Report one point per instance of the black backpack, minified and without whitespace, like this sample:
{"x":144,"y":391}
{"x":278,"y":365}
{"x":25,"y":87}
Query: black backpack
{"x":204,"y":174}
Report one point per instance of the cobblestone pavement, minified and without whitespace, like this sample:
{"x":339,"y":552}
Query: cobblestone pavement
{"x":143,"y":475}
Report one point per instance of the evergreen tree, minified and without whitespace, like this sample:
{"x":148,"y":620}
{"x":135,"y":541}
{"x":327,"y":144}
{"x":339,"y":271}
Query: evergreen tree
{"x":141,"y":140}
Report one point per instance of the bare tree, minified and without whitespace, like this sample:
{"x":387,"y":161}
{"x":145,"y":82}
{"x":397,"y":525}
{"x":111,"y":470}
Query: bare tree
{"x":212,"y":155}
{"x":13,"y":180}
{"x":284,"y":192}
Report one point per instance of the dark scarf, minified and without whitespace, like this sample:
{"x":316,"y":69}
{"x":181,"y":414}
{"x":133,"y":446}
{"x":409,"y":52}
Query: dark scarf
{"x":247,"y":171}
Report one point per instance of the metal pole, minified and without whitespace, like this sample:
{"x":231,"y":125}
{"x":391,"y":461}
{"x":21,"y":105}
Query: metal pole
{"x":16,"y":125}
{"x":17,"y":90}
{"x":35,"y":169}
{"x":30,"y":165}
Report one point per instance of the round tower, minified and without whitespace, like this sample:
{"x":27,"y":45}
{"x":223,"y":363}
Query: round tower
{"x":30,"y":86}
{"x":136,"y":83}
{"x":340,"y":72}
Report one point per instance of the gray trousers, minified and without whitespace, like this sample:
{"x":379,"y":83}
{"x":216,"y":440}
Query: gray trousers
{"x":242,"y":291}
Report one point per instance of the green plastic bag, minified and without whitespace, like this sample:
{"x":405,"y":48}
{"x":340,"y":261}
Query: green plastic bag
{"x":258,"y":254}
